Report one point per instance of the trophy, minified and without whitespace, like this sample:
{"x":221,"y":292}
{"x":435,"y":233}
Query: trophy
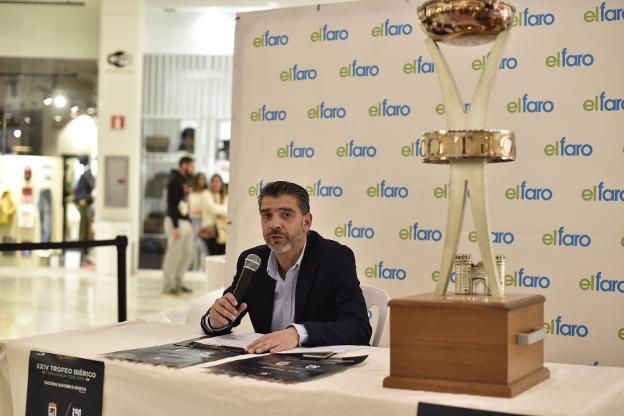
{"x":467,"y":145}
{"x":477,"y":340}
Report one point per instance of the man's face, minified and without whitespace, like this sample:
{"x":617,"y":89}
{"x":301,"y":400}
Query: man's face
{"x":188,"y":169}
{"x":284,"y":227}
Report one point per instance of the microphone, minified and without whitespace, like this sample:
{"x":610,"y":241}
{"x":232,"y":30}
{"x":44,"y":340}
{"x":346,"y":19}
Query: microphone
{"x":252,"y":263}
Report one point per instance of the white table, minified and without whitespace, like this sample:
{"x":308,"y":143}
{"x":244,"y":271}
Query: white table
{"x":139,"y":389}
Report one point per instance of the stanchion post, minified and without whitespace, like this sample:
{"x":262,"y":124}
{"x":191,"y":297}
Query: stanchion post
{"x":121,"y":242}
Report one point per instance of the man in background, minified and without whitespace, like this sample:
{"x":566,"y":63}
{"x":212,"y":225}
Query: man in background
{"x":83,"y":198}
{"x":178,"y":228}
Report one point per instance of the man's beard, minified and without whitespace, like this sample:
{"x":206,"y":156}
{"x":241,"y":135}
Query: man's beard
{"x":290,"y":241}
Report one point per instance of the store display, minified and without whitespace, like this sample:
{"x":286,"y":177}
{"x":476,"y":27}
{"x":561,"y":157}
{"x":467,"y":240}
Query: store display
{"x":156,"y":185}
{"x":30,"y":205}
{"x":26,"y":216}
{"x":45,"y":215}
{"x":157,"y":143}
{"x":154,"y":223}
{"x":7,"y":209}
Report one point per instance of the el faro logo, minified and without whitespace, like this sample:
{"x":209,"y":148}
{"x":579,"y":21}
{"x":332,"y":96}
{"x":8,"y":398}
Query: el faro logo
{"x":602,"y":103}
{"x":417,"y":233}
{"x":596,"y":283}
{"x":557,"y":327}
{"x":506,"y":63}
{"x":349,"y":230}
{"x":435,"y":276}
{"x":389,"y":29}
{"x":440,"y":109}
{"x":382,"y":190}
{"x":323,"y":112}
{"x":523,"y":192}
{"x":498,"y":237}
{"x":601,"y":14}
{"x":265,"y":115}
{"x":324,"y":191}
{"x":525,"y":18}
{"x":561,"y":238}
{"x":292,"y":151}
{"x":384,"y":109}
{"x":526,"y":105}
{"x":563,"y":149}
{"x":521,"y":279}
{"x":414,"y":149}
{"x":379,"y":271}
{"x":442,"y":192}
{"x":419,"y":66}
{"x":324,"y":34}
{"x":295,"y":73}
{"x":355,"y":70}
{"x":565,"y":59}
{"x":268,"y":40}
{"x":599,"y":193}
{"x":254,"y":190}
{"x":352,"y":150}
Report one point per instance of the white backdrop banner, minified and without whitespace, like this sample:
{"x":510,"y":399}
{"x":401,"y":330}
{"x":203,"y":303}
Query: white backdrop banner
{"x":337,"y":97}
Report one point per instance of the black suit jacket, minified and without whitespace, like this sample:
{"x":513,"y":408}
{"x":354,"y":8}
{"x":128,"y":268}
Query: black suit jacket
{"x":328,"y":300}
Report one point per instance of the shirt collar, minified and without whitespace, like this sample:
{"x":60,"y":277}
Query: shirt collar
{"x":272,"y":266}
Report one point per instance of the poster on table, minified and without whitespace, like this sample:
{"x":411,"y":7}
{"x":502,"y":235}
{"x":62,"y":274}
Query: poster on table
{"x":284,"y":368}
{"x":59,"y":385}
{"x":172,"y":355}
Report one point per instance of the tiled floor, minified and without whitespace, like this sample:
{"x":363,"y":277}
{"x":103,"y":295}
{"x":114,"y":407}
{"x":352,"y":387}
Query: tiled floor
{"x":41,"y":300}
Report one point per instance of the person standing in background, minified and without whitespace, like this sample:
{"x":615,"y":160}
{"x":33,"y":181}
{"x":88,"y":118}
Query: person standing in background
{"x":196,"y":211}
{"x":214,"y":216}
{"x":178,"y":228}
{"x":83,"y":198}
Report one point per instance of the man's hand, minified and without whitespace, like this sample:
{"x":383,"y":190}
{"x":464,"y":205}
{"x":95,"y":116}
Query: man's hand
{"x":225,"y":310}
{"x":176,"y":234}
{"x":275,"y":342}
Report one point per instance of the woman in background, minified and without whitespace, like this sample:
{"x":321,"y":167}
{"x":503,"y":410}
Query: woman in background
{"x":198,"y":186}
{"x":214,"y":215}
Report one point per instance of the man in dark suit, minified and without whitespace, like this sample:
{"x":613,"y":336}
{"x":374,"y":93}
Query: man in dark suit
{"x":306,"y":291}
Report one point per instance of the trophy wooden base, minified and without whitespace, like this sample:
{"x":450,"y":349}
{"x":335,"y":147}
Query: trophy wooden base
{"x":466,"y":344}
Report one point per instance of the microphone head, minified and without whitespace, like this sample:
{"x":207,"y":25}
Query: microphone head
{"x":252,"y":262}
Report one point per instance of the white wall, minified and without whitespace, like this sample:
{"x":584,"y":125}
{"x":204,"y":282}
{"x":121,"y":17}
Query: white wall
{"x":206,"y":32}
{"x":119,"y":94}
{"x":70,"y":32}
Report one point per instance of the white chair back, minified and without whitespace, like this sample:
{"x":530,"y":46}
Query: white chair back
{"x":200,"y":306}
{"x":374,"y":296}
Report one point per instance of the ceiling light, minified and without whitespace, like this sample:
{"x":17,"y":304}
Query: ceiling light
{"x":17,"y":133}
{"x":90,"y":110}
{"x":58,"y":118}
{"x":74,"y":109}
{"x":47,"y":101}
{"x":60,"y":101}
{"x":27,"y":120}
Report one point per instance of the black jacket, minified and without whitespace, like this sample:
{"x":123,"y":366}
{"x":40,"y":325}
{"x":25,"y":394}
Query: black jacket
{"x":328,"y":300}
{"x":84,"y":188}
{"x":177,"y":190}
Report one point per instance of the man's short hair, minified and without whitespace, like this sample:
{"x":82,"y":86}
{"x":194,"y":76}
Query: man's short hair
{"x":279,"y":188}
{"x":185,"y":160}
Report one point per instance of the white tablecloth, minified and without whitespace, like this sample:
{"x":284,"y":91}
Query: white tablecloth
{"x":139,"y":389}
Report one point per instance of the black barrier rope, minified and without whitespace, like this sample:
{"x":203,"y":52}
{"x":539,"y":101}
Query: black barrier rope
{"x":120,"y":242}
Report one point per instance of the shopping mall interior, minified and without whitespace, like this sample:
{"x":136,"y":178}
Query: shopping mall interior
{"x":64,"y":111}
